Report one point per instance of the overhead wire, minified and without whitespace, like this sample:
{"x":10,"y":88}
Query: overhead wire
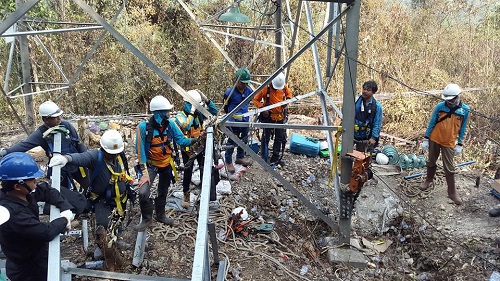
{"x":346,"y":55}
{"x":383,"y":73}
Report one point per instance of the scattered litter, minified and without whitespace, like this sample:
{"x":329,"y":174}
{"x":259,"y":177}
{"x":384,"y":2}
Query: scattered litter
{"x":94,"y":264}
{"x":224,"y":187}
{"x":495,"y":276}
{"x":303,"y":270}
{"x":380,"y":245}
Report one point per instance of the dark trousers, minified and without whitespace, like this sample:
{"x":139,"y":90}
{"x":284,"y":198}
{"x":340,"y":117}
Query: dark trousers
{"x":165,"y":178}
{"x":279,"y":140}
{"x":242,"y":134}
{"x":188,"y":171}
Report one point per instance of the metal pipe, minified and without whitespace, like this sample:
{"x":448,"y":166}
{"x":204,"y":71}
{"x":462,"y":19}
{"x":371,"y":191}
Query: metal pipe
{"x":54,"y":267}
{"x":200,"y":261}
{"x":412,"y":176}
{"x":34,"y":32}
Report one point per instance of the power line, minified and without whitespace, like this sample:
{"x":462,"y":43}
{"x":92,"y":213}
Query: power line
{"x":384,"y":73}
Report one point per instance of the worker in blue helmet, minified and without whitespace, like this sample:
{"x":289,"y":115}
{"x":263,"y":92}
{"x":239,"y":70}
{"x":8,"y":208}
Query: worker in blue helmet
{"x":23,"y":237}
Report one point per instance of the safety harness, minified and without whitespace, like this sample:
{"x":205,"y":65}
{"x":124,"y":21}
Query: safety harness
{"x":270,"y":120}
{"x":116,"y":177}
{"x":187,"y":133}
{"x":364,"y":118}
{"x":449,"y":113}
{"x":167,"y":141}
{"x":47,"y":132}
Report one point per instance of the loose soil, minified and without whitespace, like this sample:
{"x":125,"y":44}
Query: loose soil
{"x":431,"y":238}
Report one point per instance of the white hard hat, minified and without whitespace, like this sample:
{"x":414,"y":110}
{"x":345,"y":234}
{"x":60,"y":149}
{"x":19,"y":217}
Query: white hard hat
{"x":4,"y":215}
{"x":160,"y":103}
{"x":49,"y":109}
{"x":194,"y":94}
{"x":382,"y":159}
{"x":244,"y":214}
{"x":279,"y":81}
{"x":451,"y":91}
{"x":112,"y":142}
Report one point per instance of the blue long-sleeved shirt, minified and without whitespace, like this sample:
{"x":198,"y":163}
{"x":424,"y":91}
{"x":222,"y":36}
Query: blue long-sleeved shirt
{"x":99,"y":172}
{"x":70,"y":143}
{"x":376,"y":127}
{"x":236,"y":98}
{"x":140,"y":142}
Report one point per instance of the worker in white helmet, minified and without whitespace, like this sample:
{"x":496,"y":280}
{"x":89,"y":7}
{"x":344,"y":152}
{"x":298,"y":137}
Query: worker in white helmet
{"x":190,"y":121}
{"x":444,"y":135}
{"x":274,"y":93}
{"x":70,"y":143}
{"x":110,"y":183}
{"x":155,"y":147}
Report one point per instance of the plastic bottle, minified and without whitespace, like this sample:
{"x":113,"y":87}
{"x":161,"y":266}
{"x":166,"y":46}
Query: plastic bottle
{"x":94,"y":264}
{"x":303,"y":270}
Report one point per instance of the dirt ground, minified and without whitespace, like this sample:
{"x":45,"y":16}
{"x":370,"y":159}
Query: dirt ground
{"x":429,"y":239}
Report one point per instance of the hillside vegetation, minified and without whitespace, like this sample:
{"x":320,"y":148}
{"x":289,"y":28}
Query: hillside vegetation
{"x":406,"y":46}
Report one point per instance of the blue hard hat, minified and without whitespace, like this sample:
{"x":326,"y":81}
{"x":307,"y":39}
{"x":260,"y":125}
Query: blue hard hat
{"x":19,"y":166}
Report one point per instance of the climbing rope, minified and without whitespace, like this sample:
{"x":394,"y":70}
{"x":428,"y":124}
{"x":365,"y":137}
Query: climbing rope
{"x":411,"y":187}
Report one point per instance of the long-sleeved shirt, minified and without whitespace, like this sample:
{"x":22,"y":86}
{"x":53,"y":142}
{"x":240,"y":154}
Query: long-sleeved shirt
{"x":191,"y":125}
{"x":158,"y":152}
{"x":99,"y":172}
{"x":24,"y":239}
{"x":236,"y":98}
{"x":452,"y":127}
{"x":70,"y":143}
{"x":369,"y":123}
{"x":261,"y":99}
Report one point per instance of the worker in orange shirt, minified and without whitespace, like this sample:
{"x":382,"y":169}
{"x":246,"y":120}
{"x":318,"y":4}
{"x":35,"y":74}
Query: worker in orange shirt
{"x":274,"y":93}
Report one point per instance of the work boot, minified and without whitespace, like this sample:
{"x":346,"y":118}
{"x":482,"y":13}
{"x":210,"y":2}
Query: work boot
{"x":431,"y":172}
{"x":122,"y":245}
{"x":160,"y":211}
{"x":243,"y":162}
{"x":187,"y":199}
{"x":147,"y":215}
{"x":452,"y":191}
{"x":495,"y":212}
{"x":230,"y":168}
{"x":275,"y":160}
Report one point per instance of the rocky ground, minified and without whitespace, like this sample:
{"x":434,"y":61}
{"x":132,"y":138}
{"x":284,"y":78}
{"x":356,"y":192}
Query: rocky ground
{"x":403,"y":233}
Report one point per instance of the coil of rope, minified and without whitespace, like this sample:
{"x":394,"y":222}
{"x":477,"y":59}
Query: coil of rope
{"x":411,"y":189}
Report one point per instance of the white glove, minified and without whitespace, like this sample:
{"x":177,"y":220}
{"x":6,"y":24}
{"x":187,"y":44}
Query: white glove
{"x":3,"y":152}
{"x":193,"y":109}
{"x":457,"y":150}
{"x":425,"y":145}
{"x":69,"y":216}
{"x":203,"y":96}
{"x":58,"y":160}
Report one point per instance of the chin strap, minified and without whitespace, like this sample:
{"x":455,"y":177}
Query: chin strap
{"x":21,"y":182}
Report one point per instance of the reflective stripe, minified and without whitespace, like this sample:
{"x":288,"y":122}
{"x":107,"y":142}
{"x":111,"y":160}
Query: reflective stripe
{"x":82,"y":171}
{"x":115,"y":177}
{"x":170,"y":161}
{"x":357,"y":128}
